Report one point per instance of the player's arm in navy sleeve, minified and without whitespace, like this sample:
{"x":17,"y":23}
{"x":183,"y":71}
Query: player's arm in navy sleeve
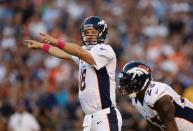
{"x":166,"y":111}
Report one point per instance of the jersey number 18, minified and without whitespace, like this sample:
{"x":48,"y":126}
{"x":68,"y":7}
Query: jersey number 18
{"x":82,"y":79}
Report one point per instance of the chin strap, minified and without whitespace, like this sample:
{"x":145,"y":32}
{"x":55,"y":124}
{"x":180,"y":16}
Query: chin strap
{"x":133,"y":95}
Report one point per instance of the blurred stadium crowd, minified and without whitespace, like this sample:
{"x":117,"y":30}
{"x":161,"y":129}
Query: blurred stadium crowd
{"x":158,"y":32}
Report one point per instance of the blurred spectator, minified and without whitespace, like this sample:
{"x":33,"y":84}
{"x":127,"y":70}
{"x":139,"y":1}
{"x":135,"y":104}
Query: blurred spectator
{"x":22,"y":120}
{"x":46,"y":121}
{"x":36,"y":26}
{"x":188,"y":93}
{"x":3,"y":124}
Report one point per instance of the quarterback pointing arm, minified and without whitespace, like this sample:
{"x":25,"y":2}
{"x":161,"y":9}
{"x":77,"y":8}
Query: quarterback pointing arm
{"x":97,"y":64}
{"x":69,"y":48}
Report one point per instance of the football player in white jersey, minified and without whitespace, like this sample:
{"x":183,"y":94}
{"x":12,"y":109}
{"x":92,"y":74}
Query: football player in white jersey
{"x":157,"y":102}
{"x":97,"y":64}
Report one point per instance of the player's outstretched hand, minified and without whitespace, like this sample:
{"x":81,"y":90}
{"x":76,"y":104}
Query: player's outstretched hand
{"x":33,"y":44}
{"x":48,"y":39}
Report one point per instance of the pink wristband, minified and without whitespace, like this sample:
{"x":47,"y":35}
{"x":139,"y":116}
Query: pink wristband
{"x":46,"y":47}
{"x":61,"y":44}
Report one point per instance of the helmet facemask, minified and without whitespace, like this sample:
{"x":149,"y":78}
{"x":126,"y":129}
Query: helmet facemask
{"x":127,"y":86}
{"x":130,"y":83}
{"x":89,"y":36}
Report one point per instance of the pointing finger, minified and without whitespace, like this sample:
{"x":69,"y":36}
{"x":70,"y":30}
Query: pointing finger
{"x":42,"y":34}
{"x":27,"y":41}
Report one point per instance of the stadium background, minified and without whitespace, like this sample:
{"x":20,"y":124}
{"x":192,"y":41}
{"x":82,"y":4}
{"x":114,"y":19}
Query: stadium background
{"x":158,"y":32}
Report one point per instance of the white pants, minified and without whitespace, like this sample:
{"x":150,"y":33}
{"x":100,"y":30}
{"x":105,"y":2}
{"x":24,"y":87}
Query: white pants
{"x":108,"y":119}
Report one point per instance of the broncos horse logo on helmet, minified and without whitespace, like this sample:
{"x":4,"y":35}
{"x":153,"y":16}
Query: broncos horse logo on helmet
{"x":96,"y":23}
{"x":135,"y":76}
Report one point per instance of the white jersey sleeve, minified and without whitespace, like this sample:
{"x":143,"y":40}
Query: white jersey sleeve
{"x":102,"y":55}
{"x":154,"y":92}
{"x":75,"y":59}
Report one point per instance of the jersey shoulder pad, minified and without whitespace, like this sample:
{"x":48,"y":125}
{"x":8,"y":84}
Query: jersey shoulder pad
{"x":102,"y":47}
{"x":103,"y":50}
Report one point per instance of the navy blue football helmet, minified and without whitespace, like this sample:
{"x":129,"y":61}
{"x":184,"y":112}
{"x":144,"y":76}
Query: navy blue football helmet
{"x":135,"y":76}
{"x":96,"y":23}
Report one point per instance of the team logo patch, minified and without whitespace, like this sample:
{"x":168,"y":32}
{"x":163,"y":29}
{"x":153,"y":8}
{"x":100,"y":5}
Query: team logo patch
{"x":138,"y":71}
{"x":144,"y":67}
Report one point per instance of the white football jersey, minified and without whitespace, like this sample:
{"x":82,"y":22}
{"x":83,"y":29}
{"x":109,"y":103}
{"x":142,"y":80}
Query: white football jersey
{"x":183,"y":107}
{"x":97,"y":82}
